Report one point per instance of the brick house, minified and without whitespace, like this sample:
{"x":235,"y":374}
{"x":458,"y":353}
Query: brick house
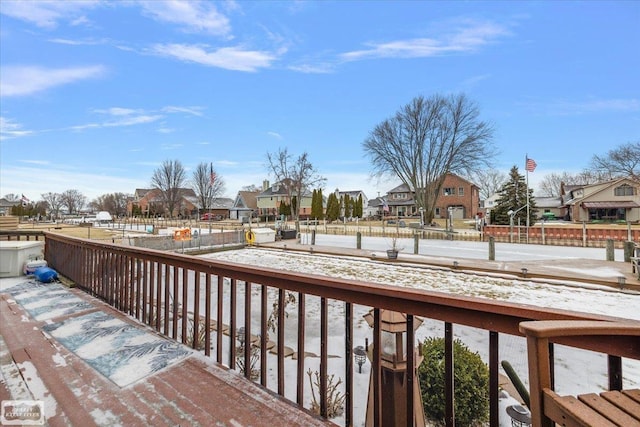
{"x":149,"y":202}
{"x":457,"y":194}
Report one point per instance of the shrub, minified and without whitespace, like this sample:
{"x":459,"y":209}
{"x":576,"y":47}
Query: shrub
{"x":471,"y":379}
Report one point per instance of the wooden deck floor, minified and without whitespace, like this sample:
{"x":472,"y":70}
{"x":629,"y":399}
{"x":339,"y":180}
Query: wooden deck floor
{"x":192,"y":392}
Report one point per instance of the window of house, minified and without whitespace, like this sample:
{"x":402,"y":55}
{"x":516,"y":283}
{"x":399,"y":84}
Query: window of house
{"x":449,"y":191}
{"x":437,"y":211}
{"x":460,"y":191}
{"x":625,"y":190}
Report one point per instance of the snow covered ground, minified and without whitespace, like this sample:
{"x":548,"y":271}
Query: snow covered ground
{"x":576,"y":371}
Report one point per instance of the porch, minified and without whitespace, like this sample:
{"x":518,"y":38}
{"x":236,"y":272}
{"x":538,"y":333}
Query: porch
{"x":160,"y":290}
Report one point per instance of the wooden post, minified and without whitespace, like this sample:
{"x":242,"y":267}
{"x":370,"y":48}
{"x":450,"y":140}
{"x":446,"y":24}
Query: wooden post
{"x":359,"y":240}
{"x":492,"y":248}
{"x":610,"y":251}
{"x":628,"y":250}
{"x":416,"y":243}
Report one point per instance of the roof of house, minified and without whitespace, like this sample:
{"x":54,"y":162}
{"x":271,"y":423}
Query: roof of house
{"x":222,"y":203}
{"x":4,"y":203}
{"x":246,"y":200}
{"x":548,"y":202}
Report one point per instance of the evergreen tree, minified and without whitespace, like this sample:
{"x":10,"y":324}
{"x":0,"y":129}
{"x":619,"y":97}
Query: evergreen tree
{"x":333,"y":207}
{"x":316,"y":204}
{"x":347,"y":206}
{"x":359,"y":207}
{"x":284,"y":209}
{"x":513,"y":197}
{"x":320,"y":205}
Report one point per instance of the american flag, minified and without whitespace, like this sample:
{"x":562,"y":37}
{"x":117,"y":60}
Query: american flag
{"x":530,"y":165}
{"x":385,"y":206}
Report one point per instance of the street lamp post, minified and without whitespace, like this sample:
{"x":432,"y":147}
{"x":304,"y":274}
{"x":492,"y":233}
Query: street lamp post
{"x":513,"y":213}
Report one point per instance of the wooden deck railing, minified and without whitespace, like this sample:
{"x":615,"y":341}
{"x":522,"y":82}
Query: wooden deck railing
{"x":161,"y":289}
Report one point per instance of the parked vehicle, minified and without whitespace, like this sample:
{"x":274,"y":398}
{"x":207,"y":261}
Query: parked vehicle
{"x":208,"y":216}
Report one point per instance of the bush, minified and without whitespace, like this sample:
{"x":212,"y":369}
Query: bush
{"x":471,"y":379}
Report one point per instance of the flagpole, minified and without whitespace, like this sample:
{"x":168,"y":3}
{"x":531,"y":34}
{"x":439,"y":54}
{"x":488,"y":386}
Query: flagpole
{"x":526,"y":167}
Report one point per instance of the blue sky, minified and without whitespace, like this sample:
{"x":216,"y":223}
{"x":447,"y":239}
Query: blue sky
{"x":95,"y":95}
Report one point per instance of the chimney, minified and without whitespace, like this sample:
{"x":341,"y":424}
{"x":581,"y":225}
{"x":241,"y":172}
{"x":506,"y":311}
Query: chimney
{"x":265,"y":185}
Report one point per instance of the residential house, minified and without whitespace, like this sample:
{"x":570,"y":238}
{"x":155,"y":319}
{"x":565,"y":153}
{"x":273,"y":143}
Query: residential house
{"x":220,"y":208}
{"x":245,"y":205}
{"x":458,"y":198}
{"x":6,"y":205}
{"x":549,"y":207}
{"x":375,"y":208}
{"x":488,"y":204}
{"x":353,"y":196}
{"x":272,"y":196}
{"x":401,"y":201}
{"x":150,"y":202}
{"x":614,"y":200}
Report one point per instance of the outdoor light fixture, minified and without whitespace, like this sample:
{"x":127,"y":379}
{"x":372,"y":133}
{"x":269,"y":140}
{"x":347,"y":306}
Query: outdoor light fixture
{"x":621,"y":280}
{"x":311,"y":249}
{"x":455,"y":264}
{"x":524,"y":272}
{"x":285,"y":247}
{"x":360,"y":355}
{"x":394,"y":369}
{"x":520,"y":416}
{"x":240,"y":335}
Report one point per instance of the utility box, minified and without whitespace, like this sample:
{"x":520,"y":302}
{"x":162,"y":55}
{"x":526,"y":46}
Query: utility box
{"x":264,"y":235}
{"x":14,"y":255}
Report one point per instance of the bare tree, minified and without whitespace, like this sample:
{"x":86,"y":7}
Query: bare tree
{"x":551,"y":184}
{"x":425,"y":140}
{"x":169,"y":179}
{"x":620,"y":162}
{"x":54,"y":200}
{"x":73,"y":200}
{"x":207,"y":184}
{"x":490,"y":181}
{"x":251,"y":187}
{"x":114,"y":203}
{"x":297,"y":176}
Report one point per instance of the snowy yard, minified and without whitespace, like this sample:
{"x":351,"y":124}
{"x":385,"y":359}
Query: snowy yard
{"x":575,"y":370}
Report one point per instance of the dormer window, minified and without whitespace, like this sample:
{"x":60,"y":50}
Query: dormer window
{"x":625,"y":190}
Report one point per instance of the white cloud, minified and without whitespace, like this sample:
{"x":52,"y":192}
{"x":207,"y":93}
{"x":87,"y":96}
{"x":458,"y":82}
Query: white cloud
{"x":196,"y":111}
{"x":118,"y":111}
{"x":10,"y":129}
{"x":48,"y":14}
{"x":229,"y":58}
{"x":134,"y":120}
{"x":27,"y":80}
{"x":320,"y":68}
{"x":465,"y":39}
{"x":195,"y":16}
{"x":121,"y":117}
{"x":276,"y":135}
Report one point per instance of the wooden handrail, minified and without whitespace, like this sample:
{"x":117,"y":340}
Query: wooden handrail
{"x":546,"y":406}
{"x":138,"y":281}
